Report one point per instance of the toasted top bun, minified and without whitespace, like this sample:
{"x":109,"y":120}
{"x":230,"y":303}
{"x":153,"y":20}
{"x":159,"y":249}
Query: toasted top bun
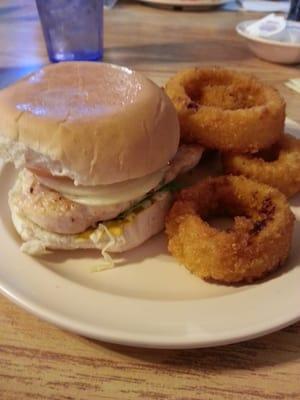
{"x":94,"y":122}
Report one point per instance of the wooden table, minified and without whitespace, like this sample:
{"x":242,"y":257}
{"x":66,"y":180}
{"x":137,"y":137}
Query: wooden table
{"x":40,"y":361}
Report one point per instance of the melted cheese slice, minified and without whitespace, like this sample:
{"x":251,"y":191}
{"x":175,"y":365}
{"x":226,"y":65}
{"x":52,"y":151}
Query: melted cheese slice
{"x":104,"y":194}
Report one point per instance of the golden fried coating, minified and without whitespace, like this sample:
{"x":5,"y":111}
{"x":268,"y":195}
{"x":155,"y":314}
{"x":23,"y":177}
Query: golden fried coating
{"x":258,"y":243}
{"x":226,"y":110}
{"x":278,"y":167}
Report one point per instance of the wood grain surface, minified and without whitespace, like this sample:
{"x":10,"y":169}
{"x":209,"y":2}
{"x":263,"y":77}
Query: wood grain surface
{"x":40,"y":361}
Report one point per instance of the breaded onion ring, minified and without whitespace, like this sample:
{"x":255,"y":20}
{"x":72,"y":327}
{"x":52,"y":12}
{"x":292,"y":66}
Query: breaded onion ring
{"x":258,"y":243}
{"x":226,"y":110}
{"x":278,"y":167}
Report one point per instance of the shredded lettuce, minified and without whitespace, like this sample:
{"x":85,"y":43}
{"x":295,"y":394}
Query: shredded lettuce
{"x":123,"y":218}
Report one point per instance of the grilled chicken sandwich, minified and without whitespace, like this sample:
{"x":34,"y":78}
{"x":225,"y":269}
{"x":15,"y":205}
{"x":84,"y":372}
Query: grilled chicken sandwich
{"x":97,"y":146}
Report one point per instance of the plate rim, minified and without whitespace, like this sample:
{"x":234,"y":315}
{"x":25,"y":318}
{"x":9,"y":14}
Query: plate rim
{"x":150,"y":342}
{"x":241,"y":31}
{"x":187,"y":3}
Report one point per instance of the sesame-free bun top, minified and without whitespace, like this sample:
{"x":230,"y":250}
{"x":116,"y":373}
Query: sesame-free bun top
{"x":94,"y":122}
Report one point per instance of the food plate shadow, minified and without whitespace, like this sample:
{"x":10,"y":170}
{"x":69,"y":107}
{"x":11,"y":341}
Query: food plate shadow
{"x":248,"y":355}
{"x":61,"y":256}
{"x":182,"y":8}
{"x":157,"y":246}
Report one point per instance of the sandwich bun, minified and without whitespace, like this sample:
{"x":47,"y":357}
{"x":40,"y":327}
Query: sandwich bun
{"x":95,"y":123}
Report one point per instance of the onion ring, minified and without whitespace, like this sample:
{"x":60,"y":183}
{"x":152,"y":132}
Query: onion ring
{"x":282,"y":171}
{"x":258,"y":243}
{"x":226,"y":110}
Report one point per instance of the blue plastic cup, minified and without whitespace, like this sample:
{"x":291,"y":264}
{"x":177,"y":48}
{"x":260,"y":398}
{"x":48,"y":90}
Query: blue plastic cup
{"x":294,"y":13}
{"x":73,"y":29}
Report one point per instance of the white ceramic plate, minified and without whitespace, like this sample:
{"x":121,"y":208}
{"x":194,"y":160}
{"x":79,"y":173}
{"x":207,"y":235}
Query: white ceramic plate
{"x":150,"y":301}
{"x":270,"y":49}
{"x":199,"y":4}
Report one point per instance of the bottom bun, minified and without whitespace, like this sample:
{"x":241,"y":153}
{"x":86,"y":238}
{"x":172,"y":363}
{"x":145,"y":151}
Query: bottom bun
{"x":112,"y":237}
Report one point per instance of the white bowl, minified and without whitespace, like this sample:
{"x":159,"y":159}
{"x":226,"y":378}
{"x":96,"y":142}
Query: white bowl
{"x":270,"y":49}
